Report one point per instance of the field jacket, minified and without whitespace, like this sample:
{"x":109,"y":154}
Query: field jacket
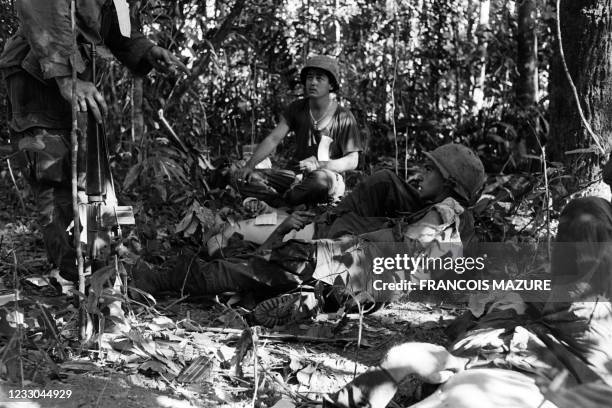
{"x":353,"y":262}
{"x":41,"y":50}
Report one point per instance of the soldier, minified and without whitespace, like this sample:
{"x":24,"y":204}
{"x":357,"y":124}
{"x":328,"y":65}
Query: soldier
{"x":382,"y":197}
{"x":281,"y":266}
{"x":36,"y":65}
{"x":572,"y":332}
{"x":328,"y":143}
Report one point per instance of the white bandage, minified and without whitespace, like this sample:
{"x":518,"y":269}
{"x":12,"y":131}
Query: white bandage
{"x":123,"y":15}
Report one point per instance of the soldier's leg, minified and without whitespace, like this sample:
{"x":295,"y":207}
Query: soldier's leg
{"x":55,"y":205}
{"x":45,"y":154}
{"x":267,"y":276}
{"x":199,"y":278}
{"x":366,"y":208}
{"x":382,"y":194}
{"x":267,"y":185}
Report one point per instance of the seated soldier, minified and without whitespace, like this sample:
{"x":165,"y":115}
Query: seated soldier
{"x":378,"y":199}
{"x":328,"y":143}
{"x":345,"y":261}
{"x":572,"y":332}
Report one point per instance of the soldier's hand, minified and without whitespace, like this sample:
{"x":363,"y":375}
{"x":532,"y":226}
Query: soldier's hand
{"x":296,"y":221}
{"x":309,"y":164}
{"x":244,"y":174}
{"x":164,"y":61}
{"x":254,"y":207}
{"x":87,"y":96}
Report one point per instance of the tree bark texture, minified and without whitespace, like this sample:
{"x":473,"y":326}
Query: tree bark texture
{"x":479,"y":83}
{"x":586,"y":31}
{"x":337,"y":29}
{"x":526,"y":87}
{"x":527,"y":49}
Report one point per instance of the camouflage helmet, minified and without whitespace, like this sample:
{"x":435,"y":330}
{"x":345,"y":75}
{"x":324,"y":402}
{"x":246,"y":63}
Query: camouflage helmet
{"x":462,"y":167}
{"x":325,"y":63}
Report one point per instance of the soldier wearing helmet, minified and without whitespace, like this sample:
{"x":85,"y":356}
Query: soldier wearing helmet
{"x":342,"y":255}
{"x":454,"y":170}
{"x":328,"y":143}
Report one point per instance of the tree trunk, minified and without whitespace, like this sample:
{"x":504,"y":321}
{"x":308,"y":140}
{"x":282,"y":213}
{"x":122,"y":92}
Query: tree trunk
{"x":479,"y":83}
{"x":586,"y":32}
{"x":526,"y":87}
{"x":337,"y":29}
{"x":470,"y":19}
{"x":527,"y":61}
{"x":307,"y":23}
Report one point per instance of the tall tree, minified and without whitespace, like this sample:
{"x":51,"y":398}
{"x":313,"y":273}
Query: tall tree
{"x":8,"y":25}
{"x":479,"y":81}
{"x":337,"y":28}
{"x":138,"y":127}
{"x":527,"y":61}
{"x":586,"y":33}
{"x":527,"y":83}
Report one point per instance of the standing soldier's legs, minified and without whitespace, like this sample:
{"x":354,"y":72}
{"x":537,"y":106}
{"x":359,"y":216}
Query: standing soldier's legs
{"x":46,"y":156}
{"x":40,"y":120}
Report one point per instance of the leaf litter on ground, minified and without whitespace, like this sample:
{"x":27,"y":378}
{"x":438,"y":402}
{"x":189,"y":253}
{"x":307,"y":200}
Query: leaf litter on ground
{"x":193,"y":351}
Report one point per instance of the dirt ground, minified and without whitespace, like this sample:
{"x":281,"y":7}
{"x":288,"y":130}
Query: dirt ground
{"x":185,"y":353}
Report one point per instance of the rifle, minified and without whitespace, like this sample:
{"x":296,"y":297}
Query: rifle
{"x":101,"y":217}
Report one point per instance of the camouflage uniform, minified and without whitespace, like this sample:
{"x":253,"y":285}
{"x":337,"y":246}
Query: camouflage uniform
{"x":40,"y":118}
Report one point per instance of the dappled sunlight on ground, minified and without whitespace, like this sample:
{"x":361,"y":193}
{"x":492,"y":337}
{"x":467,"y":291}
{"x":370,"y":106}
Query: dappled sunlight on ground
{"x":147,"y":367}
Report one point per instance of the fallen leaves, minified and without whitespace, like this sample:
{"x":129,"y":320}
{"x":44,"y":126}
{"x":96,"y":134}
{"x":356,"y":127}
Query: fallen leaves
{"x":195,"y":216}
{"x":199,"y":369}
{"x":210,"y":355}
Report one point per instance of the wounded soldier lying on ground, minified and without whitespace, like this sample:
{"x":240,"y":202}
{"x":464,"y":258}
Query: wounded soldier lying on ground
{"x":377,"y":200}
{"x":558,"y":354}
{"x":345,"y":262}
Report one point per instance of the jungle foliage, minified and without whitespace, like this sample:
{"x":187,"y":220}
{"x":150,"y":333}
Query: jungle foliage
{"x":416,"y":74}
